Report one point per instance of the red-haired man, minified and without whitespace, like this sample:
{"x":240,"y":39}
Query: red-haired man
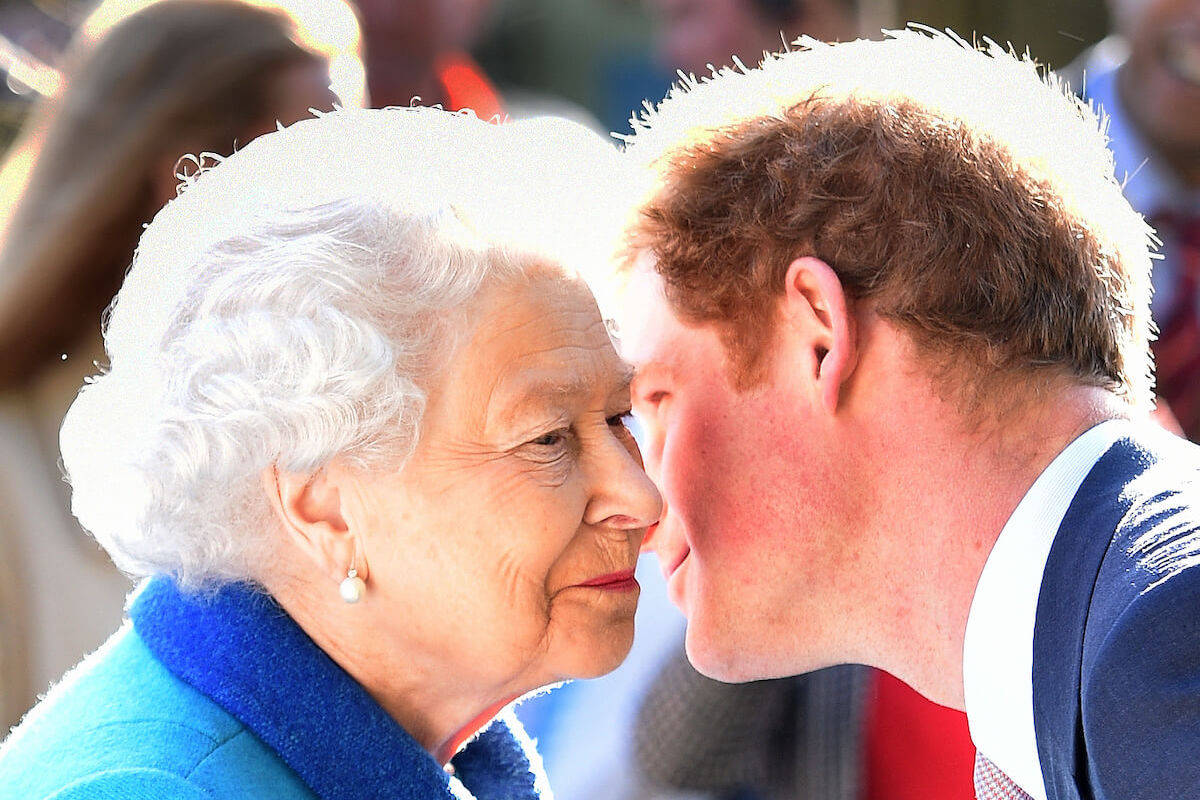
{"x":889,"y":312}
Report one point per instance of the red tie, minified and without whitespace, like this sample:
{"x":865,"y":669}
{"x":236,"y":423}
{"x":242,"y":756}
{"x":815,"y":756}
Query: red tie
{"x":1177,"y":350}
{"x":992,"y":784}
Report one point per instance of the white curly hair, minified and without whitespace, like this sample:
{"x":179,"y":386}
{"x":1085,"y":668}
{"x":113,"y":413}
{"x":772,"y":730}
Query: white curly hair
{"x":289,"y":306}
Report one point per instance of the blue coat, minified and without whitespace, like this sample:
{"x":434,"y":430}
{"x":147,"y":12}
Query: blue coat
{"x":223,"y":696}
{"x":1116,"y":670}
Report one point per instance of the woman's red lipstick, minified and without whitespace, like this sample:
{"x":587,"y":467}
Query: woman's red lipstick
{"x":623,"y":581}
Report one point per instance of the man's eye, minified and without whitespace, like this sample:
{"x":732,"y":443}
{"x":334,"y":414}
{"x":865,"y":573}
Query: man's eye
{"x":649,"y":399}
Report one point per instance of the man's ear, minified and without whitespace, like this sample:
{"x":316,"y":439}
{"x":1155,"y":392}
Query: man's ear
{"x":309,"y":506}
{"x":815,"y":304}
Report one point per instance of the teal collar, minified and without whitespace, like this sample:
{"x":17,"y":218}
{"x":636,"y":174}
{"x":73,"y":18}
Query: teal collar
{"x":240,"y":649}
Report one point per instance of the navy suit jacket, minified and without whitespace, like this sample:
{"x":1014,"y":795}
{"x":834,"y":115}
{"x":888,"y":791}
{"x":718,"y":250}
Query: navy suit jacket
{"x":1116,"y":668}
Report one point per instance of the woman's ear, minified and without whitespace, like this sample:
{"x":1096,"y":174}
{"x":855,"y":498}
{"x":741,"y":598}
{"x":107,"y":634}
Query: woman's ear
{"x":309,"y":507}
{"x":815,"y":304}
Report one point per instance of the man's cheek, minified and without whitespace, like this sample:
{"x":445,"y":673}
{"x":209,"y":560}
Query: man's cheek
{"x":650,"y":439}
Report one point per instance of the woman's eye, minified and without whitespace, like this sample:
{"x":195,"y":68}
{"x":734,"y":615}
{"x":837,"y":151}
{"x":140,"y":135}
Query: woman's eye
{"x":620,"y":420}
{"x":551,"y":439}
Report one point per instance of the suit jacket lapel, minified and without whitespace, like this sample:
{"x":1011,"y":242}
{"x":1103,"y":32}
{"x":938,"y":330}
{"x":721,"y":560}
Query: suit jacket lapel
{"x":1068,"y":583}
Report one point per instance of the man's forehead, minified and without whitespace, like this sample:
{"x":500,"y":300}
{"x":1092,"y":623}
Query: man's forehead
{"x":645,"y":317}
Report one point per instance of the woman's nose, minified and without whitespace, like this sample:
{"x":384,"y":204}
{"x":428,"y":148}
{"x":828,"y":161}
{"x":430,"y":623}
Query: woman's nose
{"x":624,"y":496}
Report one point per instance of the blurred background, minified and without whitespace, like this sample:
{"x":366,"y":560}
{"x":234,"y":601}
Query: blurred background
{"x":602,"y":55}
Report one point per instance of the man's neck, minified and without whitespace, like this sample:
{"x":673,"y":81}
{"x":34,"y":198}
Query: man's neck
{"x":945,"y":513}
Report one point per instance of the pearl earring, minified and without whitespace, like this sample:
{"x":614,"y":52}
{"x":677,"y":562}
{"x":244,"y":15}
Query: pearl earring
{"x":353,"y":587}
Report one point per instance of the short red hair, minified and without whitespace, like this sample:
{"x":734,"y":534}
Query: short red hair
{"x":1002,"y":256}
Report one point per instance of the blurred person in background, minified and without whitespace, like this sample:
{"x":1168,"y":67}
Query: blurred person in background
{"x":418,"y":51}
{"x":355,"y":559}
{"x":695,"y":35}
{"x":139,"y":88}
{"x":840,"y":733}
{"x":1146,"y":78}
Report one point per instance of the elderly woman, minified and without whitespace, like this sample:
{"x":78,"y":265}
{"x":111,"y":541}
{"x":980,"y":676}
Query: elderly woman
{"x":363,"y":432}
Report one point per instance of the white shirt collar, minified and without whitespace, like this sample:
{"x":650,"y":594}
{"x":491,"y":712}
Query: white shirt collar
{"x":998,"y":647}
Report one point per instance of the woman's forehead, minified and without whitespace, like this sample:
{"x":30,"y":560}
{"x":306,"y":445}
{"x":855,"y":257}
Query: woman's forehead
{"x":538,"y":343}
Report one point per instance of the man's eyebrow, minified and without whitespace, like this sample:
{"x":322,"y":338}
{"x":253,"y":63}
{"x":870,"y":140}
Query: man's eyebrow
{"x":655,"y":369}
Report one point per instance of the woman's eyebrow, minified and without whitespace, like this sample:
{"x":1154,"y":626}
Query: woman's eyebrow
{"x":624,"y":381}
{"x":537,"y":393}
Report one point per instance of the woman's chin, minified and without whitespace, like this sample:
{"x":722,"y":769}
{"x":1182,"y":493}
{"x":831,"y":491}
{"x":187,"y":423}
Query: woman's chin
{"x":602,"y":654}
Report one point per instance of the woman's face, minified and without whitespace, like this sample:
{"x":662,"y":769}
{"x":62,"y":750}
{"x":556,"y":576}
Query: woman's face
{"x":504,"y":550}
